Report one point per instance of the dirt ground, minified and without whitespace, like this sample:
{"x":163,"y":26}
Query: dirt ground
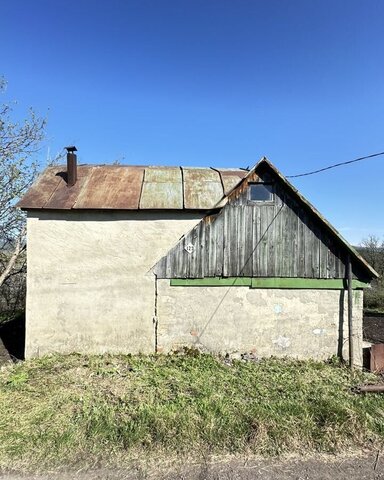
{"x":373,"y":327}
{"x":369,"y":466}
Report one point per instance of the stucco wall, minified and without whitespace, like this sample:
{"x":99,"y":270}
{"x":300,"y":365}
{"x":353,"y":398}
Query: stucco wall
{"x":89,"y":289}
{"x":88,"y":286}
{"x":280,"y":322}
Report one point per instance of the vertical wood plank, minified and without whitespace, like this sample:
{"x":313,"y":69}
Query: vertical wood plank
{"x":331,"y":261}
{"x":279,"y":252}
{"x":255,"y":243}
{"x":271,"y":242}
{"x":315,"y":254}
{"x":286,"y":242}
{"x":248,"y":242}
{"x":219,"y":240}
{"x":294,"y":245}
{"x":210,"y":246}
{"x":323,"y":251}
{"x":264,"y":241}
{"x":227,"y":243}
{"x":301,"y":245}
{"x":308,"y":247}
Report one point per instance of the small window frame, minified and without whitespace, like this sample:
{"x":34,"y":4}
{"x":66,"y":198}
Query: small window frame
{"x":262,"y":202}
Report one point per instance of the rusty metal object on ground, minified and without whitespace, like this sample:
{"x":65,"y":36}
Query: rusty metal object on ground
{"x":370,"y":388}
{"x":377,"y":358}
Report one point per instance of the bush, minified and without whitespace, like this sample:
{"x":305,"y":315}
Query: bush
{"x":374,"y":298}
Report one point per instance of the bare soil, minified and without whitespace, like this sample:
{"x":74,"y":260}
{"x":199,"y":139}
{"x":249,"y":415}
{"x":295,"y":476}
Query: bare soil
{"x":359,"y":467}
{"x":373,"y":327}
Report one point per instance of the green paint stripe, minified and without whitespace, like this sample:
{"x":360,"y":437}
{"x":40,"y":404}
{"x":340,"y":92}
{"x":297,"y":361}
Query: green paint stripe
{"x":306,"y":283}
{"x":212,"y":282}
{"x":298,"y":283}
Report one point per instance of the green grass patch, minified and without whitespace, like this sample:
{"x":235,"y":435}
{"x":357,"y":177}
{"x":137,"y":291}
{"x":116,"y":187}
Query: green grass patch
{"x":71,"y":410}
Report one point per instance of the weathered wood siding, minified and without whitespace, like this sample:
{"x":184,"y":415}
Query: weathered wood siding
{"x":257,"y":239}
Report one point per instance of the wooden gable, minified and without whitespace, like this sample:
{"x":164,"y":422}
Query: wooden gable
{"x":283,"y":236}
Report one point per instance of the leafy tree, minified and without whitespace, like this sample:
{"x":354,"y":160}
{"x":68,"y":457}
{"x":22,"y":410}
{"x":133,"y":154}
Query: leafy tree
{"x":19,"y":141}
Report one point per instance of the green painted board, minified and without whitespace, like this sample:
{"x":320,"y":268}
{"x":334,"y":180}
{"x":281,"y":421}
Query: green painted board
{"x":272,"y":282}
{"x":212,"y":282}
{"x":306,"y":283}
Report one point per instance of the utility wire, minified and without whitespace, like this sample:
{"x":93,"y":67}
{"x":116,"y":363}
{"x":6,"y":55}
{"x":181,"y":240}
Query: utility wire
{"x":335,"y":165}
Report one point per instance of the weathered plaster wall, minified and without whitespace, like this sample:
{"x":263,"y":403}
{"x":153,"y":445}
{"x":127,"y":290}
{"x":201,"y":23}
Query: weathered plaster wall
{"x":280,"y":322}
{"x":357,"y":330}
{"x":88,"y":286}
{"x":89,"y":289}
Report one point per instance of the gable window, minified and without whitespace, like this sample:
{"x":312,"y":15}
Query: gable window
{"x":261,"y":192}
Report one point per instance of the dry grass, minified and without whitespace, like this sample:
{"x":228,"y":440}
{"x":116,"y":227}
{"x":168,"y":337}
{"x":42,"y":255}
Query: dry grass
{"x":73,"y":410}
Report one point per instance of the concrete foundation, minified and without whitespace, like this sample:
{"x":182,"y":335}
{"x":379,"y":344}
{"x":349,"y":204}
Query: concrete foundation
{"x":279,"y":322}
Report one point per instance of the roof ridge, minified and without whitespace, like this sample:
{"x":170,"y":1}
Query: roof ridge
{"x":192,"y":167}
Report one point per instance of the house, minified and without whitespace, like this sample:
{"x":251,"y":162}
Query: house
{"x":144,"y":259}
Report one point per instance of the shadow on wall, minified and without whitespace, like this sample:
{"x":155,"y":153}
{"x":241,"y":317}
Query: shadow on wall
{"x":12,"y":338}
{"x":340,"y":342}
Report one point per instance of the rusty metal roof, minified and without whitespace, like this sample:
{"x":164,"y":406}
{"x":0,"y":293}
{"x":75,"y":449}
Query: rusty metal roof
{"x":126,"y":187}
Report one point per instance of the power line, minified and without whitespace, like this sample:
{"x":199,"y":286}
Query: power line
{"x":335,"y":165}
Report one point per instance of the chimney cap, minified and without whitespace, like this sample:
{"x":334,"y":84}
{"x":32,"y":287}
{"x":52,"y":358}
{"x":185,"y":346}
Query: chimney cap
{"x":71,"y":149}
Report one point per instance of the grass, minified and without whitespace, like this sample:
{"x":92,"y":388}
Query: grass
{"x":74,"y":410}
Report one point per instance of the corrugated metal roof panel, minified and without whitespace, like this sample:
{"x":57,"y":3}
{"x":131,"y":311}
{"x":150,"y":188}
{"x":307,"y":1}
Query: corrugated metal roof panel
{"x":202,"y":188}
{"x":231,"y":178}
{"x":162,"y":174}
{"x":64,"y":197}
{"x":112,"y":187}
{"x":162,"y":189}
{"x":42,"y":190}
{"x":126,"y":187}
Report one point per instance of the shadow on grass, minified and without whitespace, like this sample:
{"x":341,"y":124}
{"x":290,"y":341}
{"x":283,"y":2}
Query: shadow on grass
{"x":12,"y":336}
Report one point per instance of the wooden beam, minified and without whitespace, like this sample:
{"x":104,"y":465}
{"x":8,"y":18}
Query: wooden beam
{"x":212,"y":282}
{"x":350,"y":311}
{"x":271,"y":282}
{"x":306,"y":283}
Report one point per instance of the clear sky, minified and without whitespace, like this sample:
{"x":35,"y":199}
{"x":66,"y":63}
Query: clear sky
{"x":211,"y":83}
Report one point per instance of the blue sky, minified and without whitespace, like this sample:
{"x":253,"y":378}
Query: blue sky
{"x":211,"y":83}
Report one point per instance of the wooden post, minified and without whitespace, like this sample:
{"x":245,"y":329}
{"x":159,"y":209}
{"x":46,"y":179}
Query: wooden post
{"x":350,"y":312}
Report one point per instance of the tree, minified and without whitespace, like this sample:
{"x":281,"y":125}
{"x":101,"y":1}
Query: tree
{"x":19,"y":141}
{"x":372,"y":249}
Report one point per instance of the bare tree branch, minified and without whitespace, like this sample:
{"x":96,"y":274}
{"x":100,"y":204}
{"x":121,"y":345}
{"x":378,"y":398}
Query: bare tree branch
{"x":373,"y":252}
{"x":18,"y":142}
{"x":12,"y":259}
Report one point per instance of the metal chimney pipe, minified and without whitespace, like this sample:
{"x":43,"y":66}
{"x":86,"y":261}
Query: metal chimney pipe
{"x":71,"y":166}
